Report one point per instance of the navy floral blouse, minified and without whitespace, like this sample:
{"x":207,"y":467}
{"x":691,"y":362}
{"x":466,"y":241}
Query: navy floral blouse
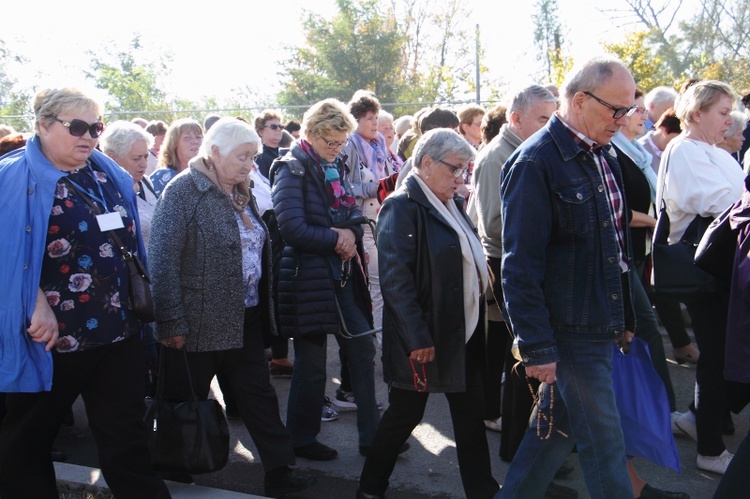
{"x":83,"y":274}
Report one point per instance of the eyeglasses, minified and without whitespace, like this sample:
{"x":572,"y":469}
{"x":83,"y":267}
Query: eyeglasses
{"x":78,"y":128}
{"x":332,"y":144}
{"x":619,"y":112}
{"x":456,"y":171}
{"x":274,"y":126}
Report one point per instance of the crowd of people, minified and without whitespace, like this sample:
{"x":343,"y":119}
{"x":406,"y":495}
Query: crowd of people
{"x":493,"y":255}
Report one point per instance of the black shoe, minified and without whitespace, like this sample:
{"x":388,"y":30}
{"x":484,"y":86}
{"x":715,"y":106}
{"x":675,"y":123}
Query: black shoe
{"x":563,"y":471}
{"x":364,"y":450}
{"x":316,"y":452}
{"x":650,"y":492}
{"x":362,"y":495}
{"x":285,"y":480}
{"x":728,"y":427}
{"x":68,"y":419}
{"x":57,"y":455}
{"x":233,"y":413}
{"x":556,"y":491}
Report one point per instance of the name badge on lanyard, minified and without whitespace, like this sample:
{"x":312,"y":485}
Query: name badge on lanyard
{"x":110,"y":221}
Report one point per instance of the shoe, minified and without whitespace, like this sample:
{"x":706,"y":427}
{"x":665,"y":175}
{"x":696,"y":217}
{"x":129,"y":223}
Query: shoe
{"x":329,"y":413}
{"x":650,"y":492}
{"x":364,"y":449}
{"x":673,"y":417}
{"x":362,"y":495}
{"x":233,"y":413}
{"x":728,"y":427}
{"x":316,"y":452}
{"x":494,"y":424}
{"x":280,"y":370}
{"x":344,"y":400}
{"x":563,"y":471}
{"x":57,"y":455}
{"x":715,"y":464}
{"x":691,"y":357}
{"x":557,"y":491}
{"x":68,"y":419}
{"x":285,"y":480}
{"x":686,"y":423}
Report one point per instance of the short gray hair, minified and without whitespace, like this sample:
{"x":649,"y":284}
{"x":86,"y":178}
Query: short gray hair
{"x":440,"y":143}
{"x":700,"y":97}
{"x":227,"y":134}
{"x":739,"y":122}
{"x":383,"y":114}
{"x":659,"y":95}
{"x":522,"y":100}
{"x":589,"y":77}
{"x":119,"y":137}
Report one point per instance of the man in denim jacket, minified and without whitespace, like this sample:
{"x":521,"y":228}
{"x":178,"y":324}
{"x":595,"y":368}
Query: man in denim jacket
{"x":565,"y":275}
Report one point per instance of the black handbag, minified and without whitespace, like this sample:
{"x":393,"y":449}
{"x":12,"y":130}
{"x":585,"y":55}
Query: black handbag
{"x":716,"y":249}
{"x":139,"y":287}
{"x":189,"y":436}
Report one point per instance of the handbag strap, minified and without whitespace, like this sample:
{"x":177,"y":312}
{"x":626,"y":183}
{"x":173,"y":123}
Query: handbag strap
{"x":161,"y":383}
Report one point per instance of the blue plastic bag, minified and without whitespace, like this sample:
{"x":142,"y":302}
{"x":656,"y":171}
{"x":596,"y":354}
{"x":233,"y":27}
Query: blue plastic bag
{"x":644,"y":407}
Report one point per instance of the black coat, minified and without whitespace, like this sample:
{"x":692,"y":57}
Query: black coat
{"x":421,"y":278}
{"x":306,"y":299}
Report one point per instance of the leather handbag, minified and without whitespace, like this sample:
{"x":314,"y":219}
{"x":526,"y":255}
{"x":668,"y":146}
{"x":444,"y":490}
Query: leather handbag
{"x":190,"y":436}
{"x":139,"y":290}
{"x":715,"y":251}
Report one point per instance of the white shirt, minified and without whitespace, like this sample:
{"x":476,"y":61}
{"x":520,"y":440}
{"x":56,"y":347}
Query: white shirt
{"x":696,"y":178}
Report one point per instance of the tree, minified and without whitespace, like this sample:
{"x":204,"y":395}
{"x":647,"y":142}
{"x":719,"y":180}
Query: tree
{"x":360,"y":48}
{"x":14,"y":103}
{"x":130,"y":84}
{"x":644,"y":62}
{"x":548,"y":36}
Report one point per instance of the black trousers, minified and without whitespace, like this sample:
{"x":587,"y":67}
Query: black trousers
{"x":110,"y":380}
{"x":246,"y":369}
{"x":405,"y":412}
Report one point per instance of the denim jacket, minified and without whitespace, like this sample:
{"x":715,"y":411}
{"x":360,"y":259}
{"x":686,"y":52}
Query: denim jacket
{"x":560,"y":270}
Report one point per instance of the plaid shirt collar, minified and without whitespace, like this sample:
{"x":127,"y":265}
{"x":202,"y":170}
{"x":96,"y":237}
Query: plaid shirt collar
{"x":584,"y":142}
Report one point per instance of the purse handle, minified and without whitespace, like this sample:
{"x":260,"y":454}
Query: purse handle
{"x":160,"y":383}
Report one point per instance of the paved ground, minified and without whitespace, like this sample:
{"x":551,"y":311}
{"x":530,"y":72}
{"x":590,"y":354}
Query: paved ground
{"x":427,"y":470}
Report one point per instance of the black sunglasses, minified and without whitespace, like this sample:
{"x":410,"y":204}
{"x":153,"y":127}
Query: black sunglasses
{"x":274,"y":126}
{"x":78,"y":128}
{"x":619,"y":112}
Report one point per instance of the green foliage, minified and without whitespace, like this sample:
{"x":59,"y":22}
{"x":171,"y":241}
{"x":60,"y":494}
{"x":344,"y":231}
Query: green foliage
{"x":549,"y":39}
{"x":642,"y":57}
{"x":15,"y":105}
{"x":360,"y":48}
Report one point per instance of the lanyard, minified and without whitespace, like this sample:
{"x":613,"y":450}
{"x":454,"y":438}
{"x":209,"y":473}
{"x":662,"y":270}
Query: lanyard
{"x":101,"y":198}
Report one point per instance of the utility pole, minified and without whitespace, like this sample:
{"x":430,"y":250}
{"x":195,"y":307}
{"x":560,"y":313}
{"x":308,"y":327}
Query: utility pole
{"x":479,"y":100}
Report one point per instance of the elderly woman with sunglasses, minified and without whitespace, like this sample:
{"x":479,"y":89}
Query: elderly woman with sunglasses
{"x":65,"y":303}
{"x":322,"y":287}
{"x":432,"y":274}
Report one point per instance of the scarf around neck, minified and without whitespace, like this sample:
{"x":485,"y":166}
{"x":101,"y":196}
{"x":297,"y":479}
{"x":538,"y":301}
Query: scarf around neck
{"x":640,"y":156}
{"x":372,"y":153}
{"x":340,"y":198}
{"x":240,"y":196}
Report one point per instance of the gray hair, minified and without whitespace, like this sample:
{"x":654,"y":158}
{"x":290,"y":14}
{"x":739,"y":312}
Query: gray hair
{"x":659,"y":95}
{"x":739,"y":122}
{"x":700,"y":97}
{"x":52,"y":102}
{"x":589,"y":77}
{"x":522,"y":100}
{"x":404,"y":123}
{"x":440,"y":143}
{"x":120,"y":136}
{"x":227,"y":134}
{"x":385,"y":115}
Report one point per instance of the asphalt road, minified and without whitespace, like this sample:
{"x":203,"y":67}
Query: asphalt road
{"x":429,"y":469}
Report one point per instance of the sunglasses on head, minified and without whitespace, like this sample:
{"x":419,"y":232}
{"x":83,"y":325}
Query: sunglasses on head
{"x":78,"y":128}
{"x":274,"y":126}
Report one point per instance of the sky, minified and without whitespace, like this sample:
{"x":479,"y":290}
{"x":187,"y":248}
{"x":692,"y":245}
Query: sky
{"x":222,"y":45}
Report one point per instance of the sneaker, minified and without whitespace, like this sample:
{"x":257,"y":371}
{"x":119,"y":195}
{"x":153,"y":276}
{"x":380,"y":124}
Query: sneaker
{"x":494,"y":424}
{"x":715,"y":464}
{"x":329,"y":413}
{"x":686,"y":423}
{"x":673,"y":417}
{"x":345,"y":400}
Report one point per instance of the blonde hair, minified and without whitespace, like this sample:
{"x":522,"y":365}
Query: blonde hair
{"x":700,"y":97}
{"x":168,"y":151}
{"x":52,"y":102}
{"x":325,"y":117}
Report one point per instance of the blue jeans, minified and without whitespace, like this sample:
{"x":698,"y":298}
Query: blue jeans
{"x":584,"y":409}
{"x":307,"y":388}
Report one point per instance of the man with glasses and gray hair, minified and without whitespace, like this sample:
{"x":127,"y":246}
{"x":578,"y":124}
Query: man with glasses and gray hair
{"x":566,"y":282}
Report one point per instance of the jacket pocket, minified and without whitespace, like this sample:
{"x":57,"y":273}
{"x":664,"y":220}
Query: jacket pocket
{"x":575,"y":208}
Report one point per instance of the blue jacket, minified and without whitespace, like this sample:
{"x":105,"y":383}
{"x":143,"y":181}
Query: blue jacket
{"x":27,"y":183}
{"x":560,"y":270}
